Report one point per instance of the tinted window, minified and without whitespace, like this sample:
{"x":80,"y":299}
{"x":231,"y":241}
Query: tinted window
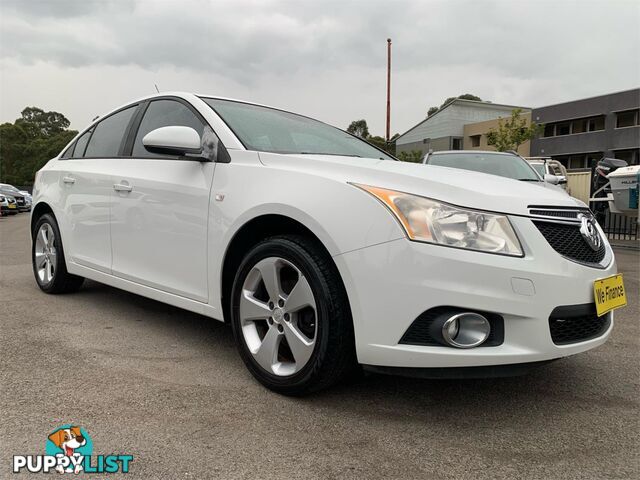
{"x":81,"y":144}
{"x":108,"y":134}
{"x":270,"y":130}
{"x":164,"y":113}
{"x":68,"y":152}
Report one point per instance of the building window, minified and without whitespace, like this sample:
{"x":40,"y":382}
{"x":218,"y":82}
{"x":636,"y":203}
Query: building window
{"x":456,"y":144}
{"x":631,"y":156}
{"x":580,"y":160}
{"x":550,"y":130}
{"x":563,"y":128}
{"x":627,"y":119}
{"x":578,"y":125}
{"x":595,"y":123}
{"x":577,"y":161}
{"x":475,"y":140}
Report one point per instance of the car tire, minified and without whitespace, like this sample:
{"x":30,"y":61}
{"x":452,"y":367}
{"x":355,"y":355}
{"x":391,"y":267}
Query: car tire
{"x":320,"y":332}
{"x":47,"y":258}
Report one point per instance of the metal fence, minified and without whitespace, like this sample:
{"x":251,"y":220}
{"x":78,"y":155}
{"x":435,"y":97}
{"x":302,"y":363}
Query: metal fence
{"x":620,"y":227}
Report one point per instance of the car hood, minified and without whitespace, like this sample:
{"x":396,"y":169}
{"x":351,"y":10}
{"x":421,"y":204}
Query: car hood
{"x":12,"y":194}
{"x":459,"y":187}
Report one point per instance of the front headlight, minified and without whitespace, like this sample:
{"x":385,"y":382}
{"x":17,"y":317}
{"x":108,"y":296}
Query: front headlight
{"x":430,"y":221}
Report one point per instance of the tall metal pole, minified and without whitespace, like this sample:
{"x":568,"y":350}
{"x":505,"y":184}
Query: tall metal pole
{"x":388,"y":89}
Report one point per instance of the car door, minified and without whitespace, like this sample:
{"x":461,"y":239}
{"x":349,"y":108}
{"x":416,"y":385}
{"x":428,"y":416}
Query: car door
{"x":86,"y":185}
{"x":160,"y":208}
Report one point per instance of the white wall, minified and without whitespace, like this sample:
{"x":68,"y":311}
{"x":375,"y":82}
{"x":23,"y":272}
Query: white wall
{"x":451,"y":121}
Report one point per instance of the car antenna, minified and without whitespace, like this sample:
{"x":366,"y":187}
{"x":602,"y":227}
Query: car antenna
{"x":156,"y":88}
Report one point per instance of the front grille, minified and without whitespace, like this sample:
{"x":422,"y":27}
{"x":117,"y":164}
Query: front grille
{"x":418,"y":333}
{"x":568,"y":242}
{"x":577,"y":323}
{"x":20,"y":201}
{"x":556,"y":213}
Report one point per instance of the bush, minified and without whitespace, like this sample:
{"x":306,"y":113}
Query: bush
{"x":414,"y":156}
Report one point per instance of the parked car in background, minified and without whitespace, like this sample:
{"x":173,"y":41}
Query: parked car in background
{"x":27,"y":195}
{"x":8,"y":205}
{"x":22,"y":203}
{"x":547,"y":166}
{"x":322,"y":251}
{"x":4,"y":206}
{"x":503,"y":164}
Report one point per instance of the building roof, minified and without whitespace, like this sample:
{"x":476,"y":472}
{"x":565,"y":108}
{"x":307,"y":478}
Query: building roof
{"x":590,"y":98}
{"x":459,"y":101}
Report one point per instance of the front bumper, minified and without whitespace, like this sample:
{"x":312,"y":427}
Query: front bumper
{"x":8,"y":210}
{"x":391,"y":284}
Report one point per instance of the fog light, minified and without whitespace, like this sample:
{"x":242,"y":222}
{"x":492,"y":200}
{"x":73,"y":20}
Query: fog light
{"x":466,"y":330}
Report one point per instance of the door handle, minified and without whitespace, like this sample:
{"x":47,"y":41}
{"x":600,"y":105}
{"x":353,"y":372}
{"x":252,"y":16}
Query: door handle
{"x":70,"y":180}
{"x":121,"y":187}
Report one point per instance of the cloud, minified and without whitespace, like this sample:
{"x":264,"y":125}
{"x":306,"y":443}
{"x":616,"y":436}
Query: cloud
{"x":323,"y":58}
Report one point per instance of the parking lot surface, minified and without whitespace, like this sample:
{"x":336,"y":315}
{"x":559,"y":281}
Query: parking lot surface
{"x":167,"y":387}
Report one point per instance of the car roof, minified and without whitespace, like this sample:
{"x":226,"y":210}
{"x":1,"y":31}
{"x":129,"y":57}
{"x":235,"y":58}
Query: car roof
{"x":472,"y":151}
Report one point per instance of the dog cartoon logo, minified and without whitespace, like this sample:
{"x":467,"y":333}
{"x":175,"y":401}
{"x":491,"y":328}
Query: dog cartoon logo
{"x":69,"y":441}
{"x":69,"y":449}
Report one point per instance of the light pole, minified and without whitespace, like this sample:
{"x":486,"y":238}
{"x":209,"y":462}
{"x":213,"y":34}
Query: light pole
{"x":388,"y":89}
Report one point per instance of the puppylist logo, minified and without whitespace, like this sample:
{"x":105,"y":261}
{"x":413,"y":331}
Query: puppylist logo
{"x":69,"y":449}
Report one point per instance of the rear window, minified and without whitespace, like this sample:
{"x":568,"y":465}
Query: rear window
{"x":503,"y":165}
{"x":539,"y":168}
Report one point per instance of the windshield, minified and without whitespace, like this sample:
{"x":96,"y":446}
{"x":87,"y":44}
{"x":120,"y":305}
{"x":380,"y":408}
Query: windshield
{"x":504,"y":165}
{"x":269,"y":130}
{"x":539,"y":168}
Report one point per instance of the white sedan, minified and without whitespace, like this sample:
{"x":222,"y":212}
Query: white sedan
{"x":321,"y":251}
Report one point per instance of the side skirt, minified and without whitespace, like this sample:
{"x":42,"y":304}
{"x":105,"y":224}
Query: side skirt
{"x":153,"y":293}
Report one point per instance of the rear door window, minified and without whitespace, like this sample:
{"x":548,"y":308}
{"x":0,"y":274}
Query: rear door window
{"x":108,"y":135}
{"x":164,"y":113}
{"x":81,"y":144}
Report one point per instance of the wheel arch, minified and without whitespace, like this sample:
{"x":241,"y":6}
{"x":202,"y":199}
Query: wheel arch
{"x":253,"y":232}
{"x":39,"y":210}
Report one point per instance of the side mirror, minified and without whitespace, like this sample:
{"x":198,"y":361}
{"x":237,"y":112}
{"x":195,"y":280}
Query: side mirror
{"x":552,"y":179}
{"x":174,"y":140}
{"x":562,"y":180}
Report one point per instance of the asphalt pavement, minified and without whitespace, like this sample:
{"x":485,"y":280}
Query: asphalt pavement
{"x":167,"y":387}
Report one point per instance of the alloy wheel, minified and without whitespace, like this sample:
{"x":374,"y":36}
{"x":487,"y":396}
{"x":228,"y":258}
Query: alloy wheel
{"x":45,"y":253}
{"x":278,"y":316}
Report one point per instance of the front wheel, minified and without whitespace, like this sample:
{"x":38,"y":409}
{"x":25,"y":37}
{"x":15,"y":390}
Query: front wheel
{"x":290,"y":316}
{"x":47,"y":257}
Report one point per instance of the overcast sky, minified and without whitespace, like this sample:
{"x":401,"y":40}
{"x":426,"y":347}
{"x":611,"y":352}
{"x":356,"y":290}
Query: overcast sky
{"x":326,"y":59}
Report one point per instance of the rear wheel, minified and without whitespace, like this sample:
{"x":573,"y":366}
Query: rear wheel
{"x":290,"y":316}
{"x":47,"y":256}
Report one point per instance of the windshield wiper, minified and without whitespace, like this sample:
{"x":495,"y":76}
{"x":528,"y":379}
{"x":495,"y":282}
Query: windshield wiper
{"x":529,"y":180}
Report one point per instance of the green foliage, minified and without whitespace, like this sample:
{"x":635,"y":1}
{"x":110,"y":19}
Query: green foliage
{"x":414,"y":156}
{"x":513,"y":132}
{"x":359,"y":128}
{"x":28,"y":143}
{"x":464,"y":96}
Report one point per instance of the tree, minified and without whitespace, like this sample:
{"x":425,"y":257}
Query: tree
{"x":359,"y":128}
{"x":432,"y":110}
{"x":464,"y":96}
{"x":513,"y":132}
{"x":28,"y":143}
{"x":38,"y":123}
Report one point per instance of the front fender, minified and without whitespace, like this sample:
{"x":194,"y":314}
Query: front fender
{"x":341,"y":216}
